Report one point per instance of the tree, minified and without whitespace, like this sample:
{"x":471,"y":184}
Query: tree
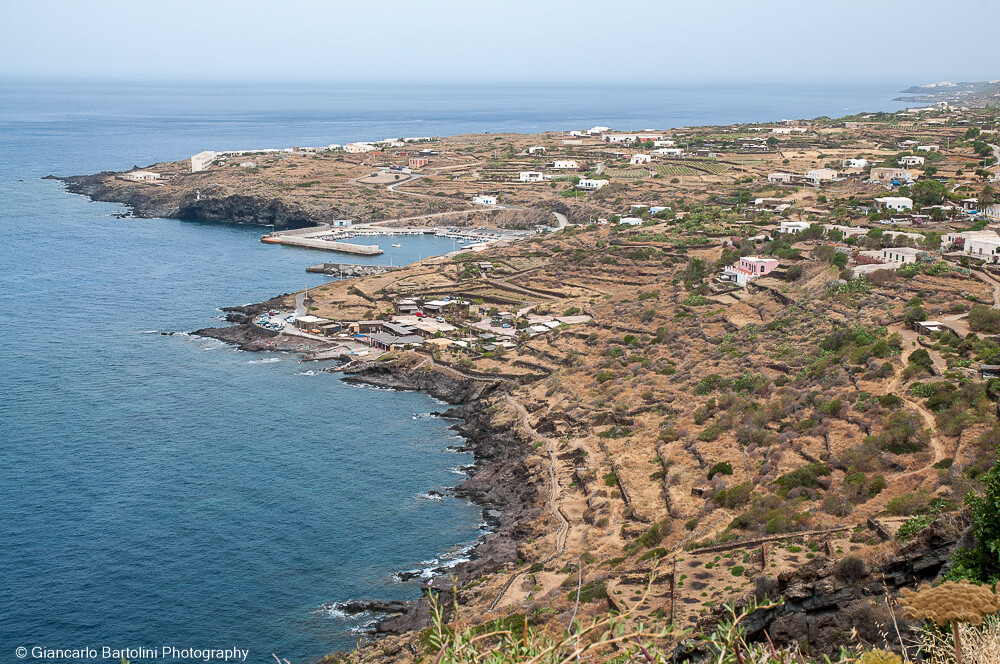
{"x":981,"y":563}
{"x":987,"y":197}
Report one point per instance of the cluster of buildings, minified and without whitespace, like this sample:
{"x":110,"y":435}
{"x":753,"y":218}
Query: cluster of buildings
{"x":419,"y":323}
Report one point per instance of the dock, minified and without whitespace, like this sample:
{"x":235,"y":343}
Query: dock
{"x":320,"y":238}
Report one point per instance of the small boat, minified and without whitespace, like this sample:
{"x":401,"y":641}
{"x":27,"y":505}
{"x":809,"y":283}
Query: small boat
{"x":397,"y":245}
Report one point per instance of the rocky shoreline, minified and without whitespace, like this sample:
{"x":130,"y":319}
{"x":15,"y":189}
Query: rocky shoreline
{"x":499,"y":480}
{"x":147,"y":204}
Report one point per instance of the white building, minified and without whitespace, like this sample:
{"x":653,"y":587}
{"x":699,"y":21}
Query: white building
{"x":630,"y":221}
{"x":358,"y":148}
{"x":202,"y":160}
{"x":598,"y":130}
{"x":779,"y":177}
{"x":822,"y":174}
{"x":140,"y":176}
{"x":928,"y":148}
{"x":538,"y":149}
{"x":992,"y":212}
{"x":591,"y":185}
{"x":670,"y":152}
{"x":897,"y":203}
{"x":638,"y":159}
{"x":911,"y":160}
{"x":485,"y":199}
{"x":972,"y":242}
{"x":793,"y":227}
{"x":564,"y":164}
{"x":888,"y":174}
{"x":533,"y":176}
{"x":665,"y":143}
{"x":901,"y":255}
{"x":847,"y":231}
{"x":854,"y":163}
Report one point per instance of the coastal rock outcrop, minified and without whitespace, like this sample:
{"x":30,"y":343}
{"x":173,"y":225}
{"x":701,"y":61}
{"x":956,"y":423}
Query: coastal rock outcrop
{"x":152,"y":202}
{"x":826,"y":600}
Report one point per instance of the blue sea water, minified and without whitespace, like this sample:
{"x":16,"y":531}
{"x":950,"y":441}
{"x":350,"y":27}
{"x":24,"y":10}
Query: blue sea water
{"x":170,"y":490}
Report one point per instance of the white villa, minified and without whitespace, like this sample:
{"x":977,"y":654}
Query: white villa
{"x":911,"y":160}
{"x":533,"y":176}
{"x":587,"y":184}
{"x":564,"y":164}
{"x":793,"y":227}
{"x":140,"y":176}
{"x":358,"y":148}
{"x":854,"y":163}
{"x":897,"y":203}
{"x":985,"y":244}
{"x":485,"y":199}
{"x":638,"y":159}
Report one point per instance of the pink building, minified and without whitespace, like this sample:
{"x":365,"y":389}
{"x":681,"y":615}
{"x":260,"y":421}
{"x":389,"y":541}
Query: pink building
{"x":748,"y":269}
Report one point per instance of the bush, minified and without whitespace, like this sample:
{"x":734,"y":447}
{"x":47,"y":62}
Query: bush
{"x":909,"y":504}
{"x":735,"y":496}
{"x":806,"y":476}
{"x":904,"y":433}
{"x":983,"y":318}
{"x":590,"y":592}
{"x":604,"y":376}
{"x":723,"y":467}
{"x":922,"y":358}
{"x":853,"y":568}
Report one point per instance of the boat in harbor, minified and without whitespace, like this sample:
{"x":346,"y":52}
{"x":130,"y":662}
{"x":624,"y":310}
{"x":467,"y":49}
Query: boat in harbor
{"x":397,"y":245}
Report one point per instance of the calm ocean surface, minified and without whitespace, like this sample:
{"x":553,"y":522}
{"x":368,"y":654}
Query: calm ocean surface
{"x":170,"y":490}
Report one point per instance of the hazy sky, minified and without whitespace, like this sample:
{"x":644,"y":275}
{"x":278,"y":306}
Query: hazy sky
{"x":504,"y":40}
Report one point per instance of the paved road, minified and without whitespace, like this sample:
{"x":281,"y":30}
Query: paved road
{"x":600,"y":168}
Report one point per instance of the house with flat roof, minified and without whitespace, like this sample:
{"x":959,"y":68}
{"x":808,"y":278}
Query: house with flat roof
{"x":854,"y":163}
{"x":748,"y":269}
{"x":983,"y":244}
{"x":818,"y":175}
{"x":532,"y":176}
{"x":897,"y":203}
{"x":202,"y":160}
{"x":780,"y":177}
{"x":638,"y":159}
{"x":911,"y":160}
{"x":902,"y":255}
{"x":485,"y":199}
{"x":793,"y":227}
{"x":587,"y":184}
{"x":563,"y":164}
{"x":886,"y":174}
{"x":537,"y":149}
{"x":140,"y":176}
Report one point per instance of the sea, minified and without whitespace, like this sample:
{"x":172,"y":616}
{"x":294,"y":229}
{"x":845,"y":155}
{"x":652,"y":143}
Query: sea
{"x":159,"y":489}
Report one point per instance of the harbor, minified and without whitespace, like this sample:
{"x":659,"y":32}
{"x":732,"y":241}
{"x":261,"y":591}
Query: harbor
{"x":331,"y":237}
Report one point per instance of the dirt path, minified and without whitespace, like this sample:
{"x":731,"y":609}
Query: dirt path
{"x":562,"y":534}
{"x":993,"y":283}
{"x":564,"y":526}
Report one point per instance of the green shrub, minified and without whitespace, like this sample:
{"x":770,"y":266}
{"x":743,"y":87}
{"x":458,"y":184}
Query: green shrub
{"x":806,"y":476}
{"x":723,"y":467}
{"x":590,"y":592}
